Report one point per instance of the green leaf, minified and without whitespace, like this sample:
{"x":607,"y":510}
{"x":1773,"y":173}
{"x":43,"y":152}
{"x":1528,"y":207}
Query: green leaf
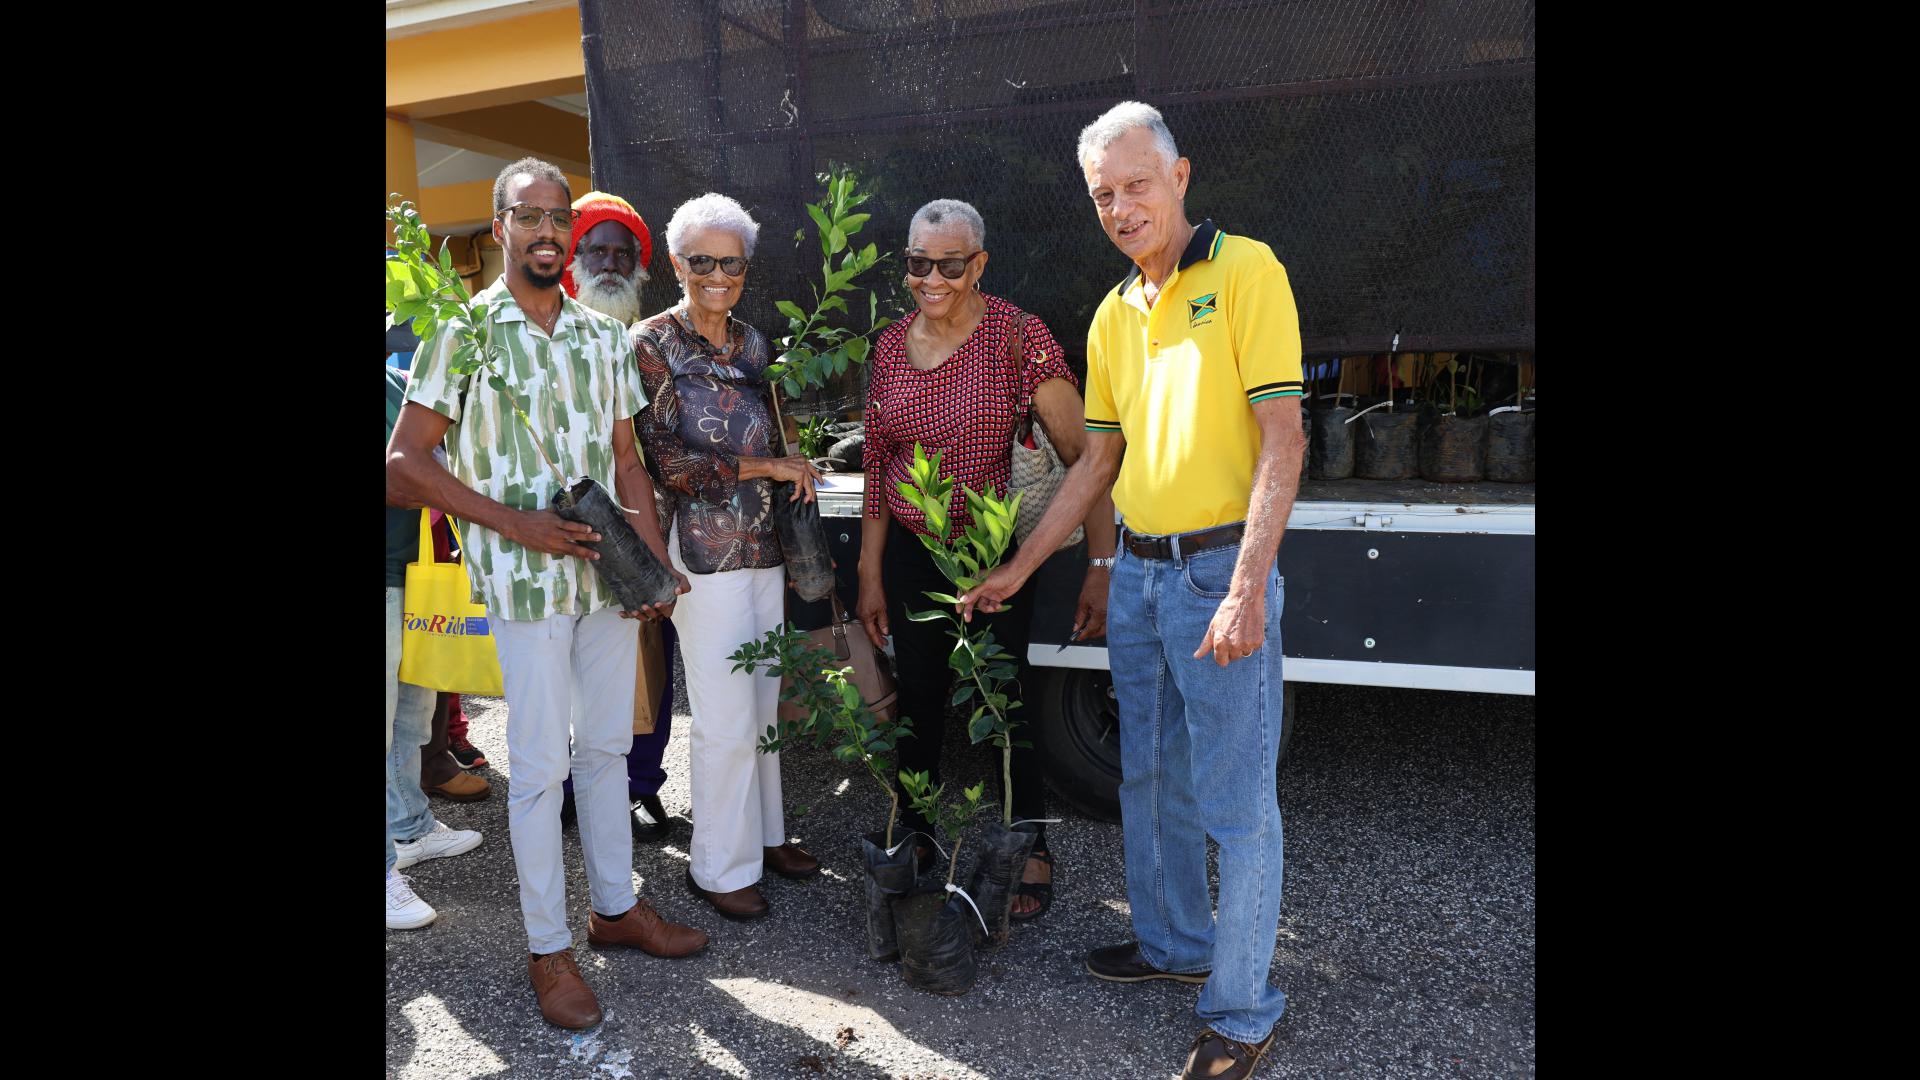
{"x":791,"y":310}
{"x":857,"y":347}
{"x":799,"y":235}
{"x":834,"y":303}
{"x":421,"y":326}
{"x":869,"y":255}
{"x":820,"y":219}
{"x":962,"y":694}
{"x":980,"y":726}
{"x":941,"y":597}
{"x":497,"y":383}
{"x":792,"y":385}
{"x":852,"y":222}
{"x":925,"y":616}
{"x":836,"y":241}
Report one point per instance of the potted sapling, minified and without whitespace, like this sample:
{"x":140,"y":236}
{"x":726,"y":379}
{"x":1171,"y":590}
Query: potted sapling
{"x":936,"y":925}
{"x":1383,"y":438}
{"x":1331,"y":445}
{"x":1510,"y":441}
{"x":425,"y":290}
{"x":1453,"y":445}
{"x":829,"y":710}
{"x":986,"y":671}
{"x":815,"y":350}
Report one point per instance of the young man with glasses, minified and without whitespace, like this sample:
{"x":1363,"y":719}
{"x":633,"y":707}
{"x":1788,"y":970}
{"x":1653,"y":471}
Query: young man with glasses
{"x":564,"y":651}
{"x":1193,"y":370}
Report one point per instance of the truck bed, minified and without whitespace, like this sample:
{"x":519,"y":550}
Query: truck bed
{"x":1416,"y":491}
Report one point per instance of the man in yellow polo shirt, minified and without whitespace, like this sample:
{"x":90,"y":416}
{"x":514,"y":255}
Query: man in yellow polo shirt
{"x":1193,"y":367}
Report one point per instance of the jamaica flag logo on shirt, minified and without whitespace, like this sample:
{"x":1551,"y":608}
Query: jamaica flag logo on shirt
{"x":1200,"y":307}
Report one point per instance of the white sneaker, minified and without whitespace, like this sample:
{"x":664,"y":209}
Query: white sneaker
{"x":405,"y":911}
{"x":438,"y":844}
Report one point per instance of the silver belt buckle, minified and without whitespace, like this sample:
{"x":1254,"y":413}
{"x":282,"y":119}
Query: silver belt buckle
{"x":1173,"y":542}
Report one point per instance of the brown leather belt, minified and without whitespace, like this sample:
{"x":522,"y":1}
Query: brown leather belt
{"x":1164,"y":547}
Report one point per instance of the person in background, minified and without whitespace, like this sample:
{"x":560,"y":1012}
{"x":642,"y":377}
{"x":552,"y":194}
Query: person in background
{"x":413,"y":834}
{"x":607,"y":258}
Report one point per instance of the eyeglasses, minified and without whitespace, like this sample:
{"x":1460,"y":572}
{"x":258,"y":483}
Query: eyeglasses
{"x":733,"y":265}
{"x":951,"y":269}
{"x":528,"y":217}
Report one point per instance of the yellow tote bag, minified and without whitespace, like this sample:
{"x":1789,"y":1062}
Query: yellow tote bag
{"x":447,"y":639}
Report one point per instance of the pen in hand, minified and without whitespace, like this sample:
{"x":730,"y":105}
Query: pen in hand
{"x":1071,"y":638}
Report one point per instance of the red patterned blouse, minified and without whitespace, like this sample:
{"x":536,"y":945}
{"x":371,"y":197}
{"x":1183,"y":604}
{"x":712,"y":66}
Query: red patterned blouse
{"x":965,"y":409}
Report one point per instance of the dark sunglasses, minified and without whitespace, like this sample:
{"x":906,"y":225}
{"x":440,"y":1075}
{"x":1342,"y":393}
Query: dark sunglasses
{"x":732,"y":265}
{"x":951,"y":269}
{"x":528,"y":217}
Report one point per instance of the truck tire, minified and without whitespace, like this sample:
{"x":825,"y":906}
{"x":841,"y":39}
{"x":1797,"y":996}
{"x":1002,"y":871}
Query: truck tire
{"x":1076,"y":722}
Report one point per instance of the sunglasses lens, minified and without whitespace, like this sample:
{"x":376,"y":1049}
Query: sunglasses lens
{"x":700,"y":264}
{"x":734,"y":265}
{"x":919,"y":266}
{"x":951,"y":269}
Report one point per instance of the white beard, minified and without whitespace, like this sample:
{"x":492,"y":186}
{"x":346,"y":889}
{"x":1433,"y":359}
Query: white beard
{"x":609,"y":294}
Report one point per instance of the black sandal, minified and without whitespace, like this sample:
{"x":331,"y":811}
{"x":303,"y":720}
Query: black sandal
{"x":1040,"y":890}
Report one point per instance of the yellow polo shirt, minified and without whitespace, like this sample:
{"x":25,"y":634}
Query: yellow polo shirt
{"x":1179,"y":380}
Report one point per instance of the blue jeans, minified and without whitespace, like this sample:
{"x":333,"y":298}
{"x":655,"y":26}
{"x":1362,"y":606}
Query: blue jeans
{"x":1197,"y":749}
{"x":409,"y":725}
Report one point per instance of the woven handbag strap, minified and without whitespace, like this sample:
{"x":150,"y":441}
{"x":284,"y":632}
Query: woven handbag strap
{"x":1017,"y":353}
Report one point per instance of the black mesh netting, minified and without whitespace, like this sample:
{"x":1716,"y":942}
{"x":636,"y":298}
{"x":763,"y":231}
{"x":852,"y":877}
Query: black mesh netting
{"x":1384,"y":148}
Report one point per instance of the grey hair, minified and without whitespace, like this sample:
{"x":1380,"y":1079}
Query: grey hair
{"x":711,"y":211}
{"x":1121,"y":119}
{"x":939,"y":210}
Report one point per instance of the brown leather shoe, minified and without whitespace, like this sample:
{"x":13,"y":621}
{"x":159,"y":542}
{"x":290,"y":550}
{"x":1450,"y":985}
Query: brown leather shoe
{"x":1216,"y":1057}
{"x":790,"y":860}
{"x":564,"y":997}
{"x":642,"y":928}
{"x":740,"y":904}
{"x":464,"y":787}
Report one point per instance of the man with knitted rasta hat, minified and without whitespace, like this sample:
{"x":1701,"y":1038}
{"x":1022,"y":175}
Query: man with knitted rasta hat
{"x":606,"y":264}
{"x":607,"y":261}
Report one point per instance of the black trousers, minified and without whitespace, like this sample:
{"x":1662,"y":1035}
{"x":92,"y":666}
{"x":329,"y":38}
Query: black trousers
{"x":927,"y":684}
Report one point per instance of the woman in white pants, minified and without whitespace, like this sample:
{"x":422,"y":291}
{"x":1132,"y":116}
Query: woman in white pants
{"x":710,"y":442}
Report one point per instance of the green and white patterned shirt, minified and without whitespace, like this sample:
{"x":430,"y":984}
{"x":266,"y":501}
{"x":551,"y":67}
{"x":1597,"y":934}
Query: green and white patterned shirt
{"x":575,"y":385}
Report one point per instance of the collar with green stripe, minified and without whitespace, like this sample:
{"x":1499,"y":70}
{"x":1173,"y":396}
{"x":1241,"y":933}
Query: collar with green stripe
{"x":1204,"y":245}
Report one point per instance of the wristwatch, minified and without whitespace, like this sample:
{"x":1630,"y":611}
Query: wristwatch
{"x":1106,"y":562}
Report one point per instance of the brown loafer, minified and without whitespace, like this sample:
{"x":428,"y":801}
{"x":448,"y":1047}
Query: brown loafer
{"x":1216,"y":1057}
{"x":790,"y":860}
{"x":740,"y":904}
{"x":564,"y":996}
{"x":642,"y":928}
{"x":464,"y":787}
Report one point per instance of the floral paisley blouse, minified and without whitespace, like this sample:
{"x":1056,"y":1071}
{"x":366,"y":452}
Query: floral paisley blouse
{"x":706,"y":407}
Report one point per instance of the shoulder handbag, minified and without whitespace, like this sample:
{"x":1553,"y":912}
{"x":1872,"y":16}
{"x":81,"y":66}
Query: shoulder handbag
{"x":1037,"y":469}
{"x":446,"y":639}
{"x":847,"y":641}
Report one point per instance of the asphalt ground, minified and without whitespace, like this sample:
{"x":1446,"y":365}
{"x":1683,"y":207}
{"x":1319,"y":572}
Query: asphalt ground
{"x":1405,"y":946}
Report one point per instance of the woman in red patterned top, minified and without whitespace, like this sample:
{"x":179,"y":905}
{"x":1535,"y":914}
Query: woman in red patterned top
{"x":946,"y":378}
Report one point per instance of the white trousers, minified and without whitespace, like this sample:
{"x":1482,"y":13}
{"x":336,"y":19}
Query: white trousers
{"x":736,"y":788}
{"x":566,"y":670}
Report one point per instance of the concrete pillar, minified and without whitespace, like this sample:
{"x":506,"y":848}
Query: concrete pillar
{"x":403,"y":170}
